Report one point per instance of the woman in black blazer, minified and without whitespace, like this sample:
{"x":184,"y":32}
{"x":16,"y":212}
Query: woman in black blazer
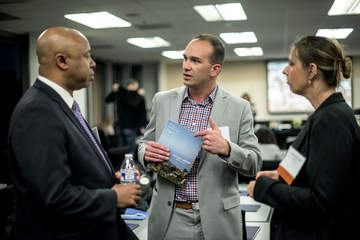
{"x":321,"y":202}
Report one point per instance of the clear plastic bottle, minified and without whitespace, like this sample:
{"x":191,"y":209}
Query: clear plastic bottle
{"x":128,"y":170}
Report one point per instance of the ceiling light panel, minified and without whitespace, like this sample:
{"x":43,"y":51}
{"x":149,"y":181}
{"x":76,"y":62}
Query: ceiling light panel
{"x":345,"y":7}
{"x":209,"y":13}
{"x":239,"y":37}
{"x":339,"y":33}
{"x":150,"y":42}
{"x":173,"y":54}
{"x":231,"y":11}
{"x":98,"y":20}
{"x":246,"y":52}
{"x":221,"y":12}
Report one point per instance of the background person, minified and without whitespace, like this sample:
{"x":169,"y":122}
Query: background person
{"x":207,"y":206}
{"x":270,"y":151}
{"x":107,"y":133}
{"x":246,"y":96}
{"x":131,"y":111}
{"x":320,"y":202}
{"x":64,"y":184}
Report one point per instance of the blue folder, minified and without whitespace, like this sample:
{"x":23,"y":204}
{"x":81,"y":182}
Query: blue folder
{"x":250,"y":207}
{"x":134,"y":214}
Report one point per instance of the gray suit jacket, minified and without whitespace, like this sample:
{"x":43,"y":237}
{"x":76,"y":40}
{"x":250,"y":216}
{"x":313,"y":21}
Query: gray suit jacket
{"x":219,"y":197}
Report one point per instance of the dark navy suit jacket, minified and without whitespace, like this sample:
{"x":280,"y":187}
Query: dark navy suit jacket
{"x":62,"y":184}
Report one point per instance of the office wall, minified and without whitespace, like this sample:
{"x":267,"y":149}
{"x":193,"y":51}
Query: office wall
{"x":106,"y":74}
{"x":236,"y":78}
{"x":250,"y":77}
{"x":356,"y":82}
{"x":150,"y":76}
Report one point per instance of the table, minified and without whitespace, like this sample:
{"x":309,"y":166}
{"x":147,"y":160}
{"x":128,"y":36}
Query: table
{"x":264,"y":231}
{"x":141,"y":230}
{"x":259,"y":218}
{"x":262,"y":215}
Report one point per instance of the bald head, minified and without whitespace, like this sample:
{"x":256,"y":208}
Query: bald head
{"x":57,"y":40}
{"x":64,"y":57}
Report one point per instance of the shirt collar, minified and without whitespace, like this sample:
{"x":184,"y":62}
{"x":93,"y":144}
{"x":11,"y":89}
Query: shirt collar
{"x":65,"y":95}
{"x":210,"y":98}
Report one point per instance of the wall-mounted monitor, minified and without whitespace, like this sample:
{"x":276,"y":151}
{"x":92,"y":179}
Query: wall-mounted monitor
{"x":280,"y":100}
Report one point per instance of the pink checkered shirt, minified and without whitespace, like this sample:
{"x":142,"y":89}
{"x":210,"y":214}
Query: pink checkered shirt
{"x":195,"y":117}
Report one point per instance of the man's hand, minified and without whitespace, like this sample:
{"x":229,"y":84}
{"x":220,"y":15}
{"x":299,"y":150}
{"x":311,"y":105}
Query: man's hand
{"x":251,"y":187}
{"x":127,"y":195}
{"x":155,"y":152}
{"x":141,"y":91}
{"x":270,"y":174}
{"x":115,"y":87}
{"x":213,"y":141}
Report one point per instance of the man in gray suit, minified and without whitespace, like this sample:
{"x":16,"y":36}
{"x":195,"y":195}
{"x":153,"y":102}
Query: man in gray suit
{"x":207,"y":206}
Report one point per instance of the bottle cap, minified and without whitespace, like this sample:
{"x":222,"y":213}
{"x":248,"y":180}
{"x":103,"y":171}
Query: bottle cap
{"x":127,"y":155}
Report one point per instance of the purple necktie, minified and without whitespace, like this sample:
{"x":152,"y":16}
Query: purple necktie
{"x":77,"y":112}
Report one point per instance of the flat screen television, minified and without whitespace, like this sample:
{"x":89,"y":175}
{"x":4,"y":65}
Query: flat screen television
{"x":280,"y":100}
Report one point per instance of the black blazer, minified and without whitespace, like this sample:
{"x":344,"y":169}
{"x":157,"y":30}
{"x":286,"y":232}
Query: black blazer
{"x":62,"y":185}
{"x":322,"y":201}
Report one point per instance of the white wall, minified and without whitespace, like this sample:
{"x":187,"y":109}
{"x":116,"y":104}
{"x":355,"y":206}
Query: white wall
{"x":356,"y":82}
{"x":33,"y":62}
{"x":250,"y":77}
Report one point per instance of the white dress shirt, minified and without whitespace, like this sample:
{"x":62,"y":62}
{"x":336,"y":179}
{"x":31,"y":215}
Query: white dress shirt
{"x":65,"y":95}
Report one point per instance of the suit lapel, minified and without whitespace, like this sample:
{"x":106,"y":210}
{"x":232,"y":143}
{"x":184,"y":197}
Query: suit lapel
{"x":72,"y":117}
{"x":219,"y":107}
{"x":68,"y":112}
{"x":175,"y":104}
{"x":301,"y":136}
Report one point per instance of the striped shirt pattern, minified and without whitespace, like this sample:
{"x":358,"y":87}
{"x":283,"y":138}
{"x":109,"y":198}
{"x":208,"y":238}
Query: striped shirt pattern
{"x":195,"y":117}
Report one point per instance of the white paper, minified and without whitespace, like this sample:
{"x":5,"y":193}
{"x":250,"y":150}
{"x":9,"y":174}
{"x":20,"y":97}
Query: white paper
{"x":225,"y":132}
{"x":293,"y":162}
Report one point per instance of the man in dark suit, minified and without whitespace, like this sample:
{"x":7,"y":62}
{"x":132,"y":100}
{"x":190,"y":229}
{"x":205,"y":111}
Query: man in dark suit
{"x":64,"y":183}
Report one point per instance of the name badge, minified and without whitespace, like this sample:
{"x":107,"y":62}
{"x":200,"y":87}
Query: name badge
{"x":225,"y":132}
{"x":291,"y":165}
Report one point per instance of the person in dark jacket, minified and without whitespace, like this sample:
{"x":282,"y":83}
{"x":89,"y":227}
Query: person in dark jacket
{"x":320,"y":202}
{"x":65,"y":186}
{"x":131,"y":111}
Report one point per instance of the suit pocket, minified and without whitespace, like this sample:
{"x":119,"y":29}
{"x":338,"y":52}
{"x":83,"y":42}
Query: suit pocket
{"x":231,"y":202}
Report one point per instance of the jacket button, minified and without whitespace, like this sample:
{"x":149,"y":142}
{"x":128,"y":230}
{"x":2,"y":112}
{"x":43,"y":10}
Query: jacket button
{"x":169,"y":203}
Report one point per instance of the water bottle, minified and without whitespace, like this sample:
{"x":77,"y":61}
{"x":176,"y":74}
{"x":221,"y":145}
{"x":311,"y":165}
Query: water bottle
{"x":128,"y":170}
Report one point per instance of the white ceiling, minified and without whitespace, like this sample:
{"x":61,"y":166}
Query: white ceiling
{"x":276,"y":23}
